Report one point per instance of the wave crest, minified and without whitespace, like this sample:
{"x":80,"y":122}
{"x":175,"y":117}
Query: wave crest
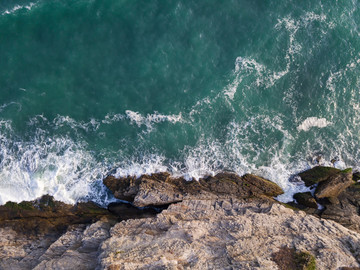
{"x":313,"y":122}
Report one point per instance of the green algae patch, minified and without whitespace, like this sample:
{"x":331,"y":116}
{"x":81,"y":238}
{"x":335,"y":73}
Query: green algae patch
{"x":348,"y":170}
{"x":19,"y":206}
{"x":290,"y":259}
{"x":305,"y":261}
{"x":317,"y":174}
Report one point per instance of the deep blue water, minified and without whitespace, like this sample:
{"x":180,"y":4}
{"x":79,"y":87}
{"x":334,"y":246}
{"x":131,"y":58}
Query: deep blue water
{"x":89,"y":87}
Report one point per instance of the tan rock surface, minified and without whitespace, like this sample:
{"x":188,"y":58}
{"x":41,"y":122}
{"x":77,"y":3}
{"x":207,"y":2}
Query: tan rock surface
{"x":48,"y":234}
{"x":77,"y":248}
{"x":334,"y":185}
{"x":226,"y":234}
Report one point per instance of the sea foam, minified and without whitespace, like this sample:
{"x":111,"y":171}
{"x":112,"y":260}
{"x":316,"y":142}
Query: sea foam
{"x":313,"y":122}
{"x":18,"y":7}
{"x":149,"y":119}
{"x":57,"y":166}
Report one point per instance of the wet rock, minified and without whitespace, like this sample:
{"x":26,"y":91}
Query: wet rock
{"x":317,"y":174}
{"x":334,"y":185}
{"x":129,"y":187}
{"x":306,"y":199}
{"x":339,"y":196}
{"x":160,"y":188}
{"x":261,"y":186}
{"x":46,"y":215}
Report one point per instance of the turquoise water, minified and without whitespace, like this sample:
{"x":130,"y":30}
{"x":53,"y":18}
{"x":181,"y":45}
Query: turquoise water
{"x":90,"y":87}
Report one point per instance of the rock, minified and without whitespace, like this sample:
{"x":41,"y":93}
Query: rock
{"x":220,"y":222}
{"x":334,"y":185}
{"x":127,"y":185}
{"x":261,"y":186}
{"x":45,"y":215}
{"x":161,"y":189}
{"x":227,"y":234}
{"x":48,"y":234}
{"x":317,"y":174}
{"x":76,"y":249}
{"x":333,"y":200}
{"x":306,"y":199}
{"x":340,"y":197}
{"x":356,"y":176}
{"x":347,"y":211}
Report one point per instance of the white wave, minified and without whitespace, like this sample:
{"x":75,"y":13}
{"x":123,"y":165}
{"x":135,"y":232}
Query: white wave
{"x":66,"y":170}
{"x":338,"y":75}
{"x":292,"y":26}
{"x":94,"y":124}
{"x":149,"y":164}
{"x":110,"y":118}
{"x":242,"y":64}
{"x":61,"y":121}
{"x":330,"y":82}
{"x":5,"y":126}
{"x":4,"y":106}
{"x":56,"y":166}
{"x":149,"y":119}
{"x":311,"y":17}
{"x":313,"y":122}
{"x":205,"y":159}
{"x":205,"y":102}
{"x":19,"y":7}
{"x":245,"y":66}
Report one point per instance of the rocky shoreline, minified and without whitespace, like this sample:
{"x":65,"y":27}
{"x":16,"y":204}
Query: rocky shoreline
{"x":224,"y":221}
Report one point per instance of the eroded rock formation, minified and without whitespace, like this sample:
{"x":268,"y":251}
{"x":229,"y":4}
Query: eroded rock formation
{"x":227,"y":234}
{"x":337,"y":192}
{"x":220,"y":222}
{"x":48,"y":234}
{"x":161,"y":189}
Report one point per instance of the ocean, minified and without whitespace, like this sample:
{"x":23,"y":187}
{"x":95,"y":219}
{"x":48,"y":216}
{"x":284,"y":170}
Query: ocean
{"x":126,"y":87}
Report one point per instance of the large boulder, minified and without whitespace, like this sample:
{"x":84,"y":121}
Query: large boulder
{"x":334,"y":185}
{"x":317,"y":174}
{"x":306,"y":199}
{"x":161,"y":189}
{"x":260,"y":185}
{"x":347,"y":211}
